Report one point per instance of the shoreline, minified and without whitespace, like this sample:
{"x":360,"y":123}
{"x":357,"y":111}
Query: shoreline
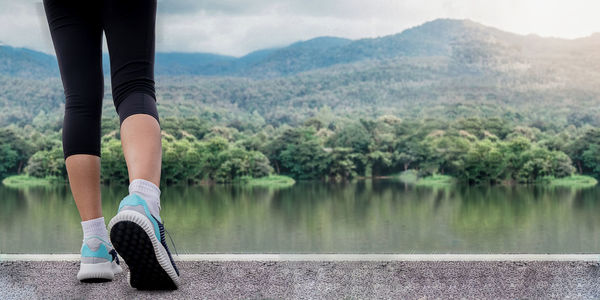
{"x":333,"y":257}
{"x":280,"y":181}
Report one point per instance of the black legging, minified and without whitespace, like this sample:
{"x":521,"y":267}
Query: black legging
{"x":76,"y":28}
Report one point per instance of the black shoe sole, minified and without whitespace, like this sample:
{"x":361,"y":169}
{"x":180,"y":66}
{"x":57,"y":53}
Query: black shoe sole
{"x":133,"y":244}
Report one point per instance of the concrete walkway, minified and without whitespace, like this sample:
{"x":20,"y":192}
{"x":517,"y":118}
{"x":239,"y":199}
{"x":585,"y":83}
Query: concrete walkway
{"x":322,"y":276}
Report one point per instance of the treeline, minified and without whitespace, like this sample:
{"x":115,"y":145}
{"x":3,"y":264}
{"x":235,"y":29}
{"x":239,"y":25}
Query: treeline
{"x":474,"y":150}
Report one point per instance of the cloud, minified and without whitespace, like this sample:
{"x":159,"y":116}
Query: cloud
{"x":238,"y":35}
{"x":313,"y":8}
{"x":21,"y":24}
{"x":236,"y":27}
{"x":227,"y":7}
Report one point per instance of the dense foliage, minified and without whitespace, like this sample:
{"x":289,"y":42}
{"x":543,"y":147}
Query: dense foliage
{"x":474,"y":150}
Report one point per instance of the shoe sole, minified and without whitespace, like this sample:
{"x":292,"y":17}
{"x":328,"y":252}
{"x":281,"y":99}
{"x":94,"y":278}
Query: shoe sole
{"x":131,"y":234}
{"x":98,"y":272}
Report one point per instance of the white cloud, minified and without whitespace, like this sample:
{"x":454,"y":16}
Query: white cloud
{"x":237,"y":35}
{"x":236,"y":27}
{"x":21,"y":26}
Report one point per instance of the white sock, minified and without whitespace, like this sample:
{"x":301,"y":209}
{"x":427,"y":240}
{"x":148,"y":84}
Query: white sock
{"x":149,"y":192}
{"x":95,"y":227}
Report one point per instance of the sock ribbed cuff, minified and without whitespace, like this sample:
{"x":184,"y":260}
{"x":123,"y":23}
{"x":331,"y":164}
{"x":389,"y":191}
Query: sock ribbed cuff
{"x":144,"y":186}
{"x":149,"y":191}
{"x":94,"y":227}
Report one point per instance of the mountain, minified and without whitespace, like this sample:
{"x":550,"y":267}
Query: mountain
{"x":297,"y":57}
{"x":27,"y":63}
{"x":177,"y":63}
{"x":441,"y":37}
{"x":441,"y":69}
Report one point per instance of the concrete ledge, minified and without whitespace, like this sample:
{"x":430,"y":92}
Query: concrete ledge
{"x":333,"y":257}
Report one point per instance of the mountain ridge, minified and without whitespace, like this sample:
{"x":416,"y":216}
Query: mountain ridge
{"x":439,"y":37}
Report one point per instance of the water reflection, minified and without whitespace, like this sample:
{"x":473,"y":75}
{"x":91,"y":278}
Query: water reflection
{"x":380,"y":216}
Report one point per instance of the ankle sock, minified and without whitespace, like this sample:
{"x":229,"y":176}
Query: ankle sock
{"x":149,"y":192}
{"x":95,"y":227}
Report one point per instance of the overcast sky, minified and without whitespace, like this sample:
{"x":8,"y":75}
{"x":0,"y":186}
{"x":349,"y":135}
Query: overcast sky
{"x":236,"y":27}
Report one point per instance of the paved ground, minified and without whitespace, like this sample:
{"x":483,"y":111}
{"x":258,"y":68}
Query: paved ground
{"x":321,"y":280}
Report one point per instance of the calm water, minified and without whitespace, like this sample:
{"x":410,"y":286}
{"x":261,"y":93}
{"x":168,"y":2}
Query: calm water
{"x":381,"y":216}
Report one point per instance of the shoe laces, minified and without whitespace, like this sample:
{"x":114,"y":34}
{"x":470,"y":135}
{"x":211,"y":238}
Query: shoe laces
{"x":113,"y":252}
{"x":172,"y":243}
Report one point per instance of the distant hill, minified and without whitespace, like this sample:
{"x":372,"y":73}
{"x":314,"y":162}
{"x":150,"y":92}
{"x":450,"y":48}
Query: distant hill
{"x":441,"y":69}
{"x":177,"y":63}
{"x":23,"y":62}
{"x":441,"y":37}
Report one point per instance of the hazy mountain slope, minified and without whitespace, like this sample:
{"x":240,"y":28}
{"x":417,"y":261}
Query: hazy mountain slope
{"x":176,"y":63}
{"x":440,"y":37}
{"x":26,"y":63}
{"x":441,"y":69}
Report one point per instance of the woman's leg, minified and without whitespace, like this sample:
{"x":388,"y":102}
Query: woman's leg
{"x":84,"y":178}
{"x":140,"y":138}
{"x":137,"y":231}
{"x":130,"y":31}
{"x":77,"y":36}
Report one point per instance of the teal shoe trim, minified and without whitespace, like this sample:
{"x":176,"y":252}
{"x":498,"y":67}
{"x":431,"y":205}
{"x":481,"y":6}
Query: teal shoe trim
{"x":101,"y":252}
{"x":134,"y":200}
{"x":98,"y":237}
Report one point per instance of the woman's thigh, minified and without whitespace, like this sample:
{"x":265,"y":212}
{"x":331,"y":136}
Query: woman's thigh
{"x":76,"y":33}
{"x":130,"y":34}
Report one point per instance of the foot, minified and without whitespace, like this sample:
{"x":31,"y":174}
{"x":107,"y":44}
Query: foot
{"x":139,"y":237}
{"x":99,"y":261}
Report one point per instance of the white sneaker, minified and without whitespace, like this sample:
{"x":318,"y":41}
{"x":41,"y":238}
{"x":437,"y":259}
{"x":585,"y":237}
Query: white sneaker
{"x":99,"y":261}
{"x":139,"y":237}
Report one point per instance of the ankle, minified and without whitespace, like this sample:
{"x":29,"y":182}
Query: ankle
{"x":94,"y":227}
{"x":149,"y":192}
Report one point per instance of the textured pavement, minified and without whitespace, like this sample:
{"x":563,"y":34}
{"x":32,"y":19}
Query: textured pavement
{"x":320,"y":280}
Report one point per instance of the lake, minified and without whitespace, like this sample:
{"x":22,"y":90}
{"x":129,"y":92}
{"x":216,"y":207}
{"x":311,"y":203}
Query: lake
{"x":364,"y":216}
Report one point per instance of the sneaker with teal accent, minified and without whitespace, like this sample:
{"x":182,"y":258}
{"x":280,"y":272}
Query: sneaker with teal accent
{"x":139,"y":238}
{"x":99,"y":261}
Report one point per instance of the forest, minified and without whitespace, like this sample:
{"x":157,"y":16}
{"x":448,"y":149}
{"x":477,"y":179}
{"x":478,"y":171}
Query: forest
{"x":473,"y":150}
{"x":447,"y":97}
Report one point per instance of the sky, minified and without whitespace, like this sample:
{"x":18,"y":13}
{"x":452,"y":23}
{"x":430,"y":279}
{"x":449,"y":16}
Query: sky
{"x":237,"y":27}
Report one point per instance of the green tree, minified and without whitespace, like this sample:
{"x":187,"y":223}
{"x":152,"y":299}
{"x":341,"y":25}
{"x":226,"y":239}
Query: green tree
{"x":341,"y":164}
{"x":8,"y":159}
{"x":112,"y":163}
{"x":484,"y":162}
{"x":20,"y":145}
{"x":47,"y":163}
{"x":302,"y":155}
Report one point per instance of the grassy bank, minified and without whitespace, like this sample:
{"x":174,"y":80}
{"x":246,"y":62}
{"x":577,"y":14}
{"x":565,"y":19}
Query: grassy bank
{"x":576,"y":181}
{"x":408,"y":176}
{"x":21,"y":181}
{"x":272,"y":181}
{"x":436,"y":180}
